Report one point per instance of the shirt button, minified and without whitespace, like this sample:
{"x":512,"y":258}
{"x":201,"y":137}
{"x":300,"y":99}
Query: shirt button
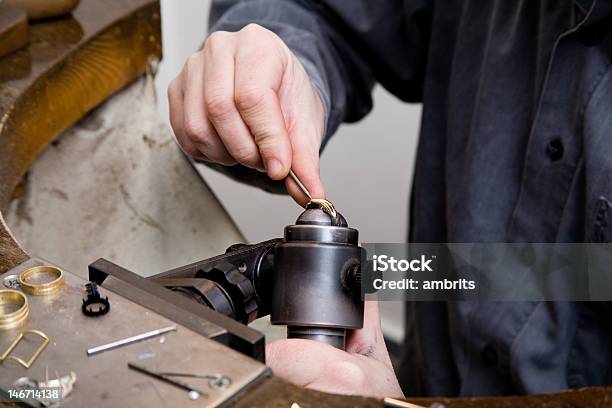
{"x":554,"y":149}
{"x":489,"y":355}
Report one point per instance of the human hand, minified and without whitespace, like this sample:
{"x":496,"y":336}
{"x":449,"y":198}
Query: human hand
{"x":363,"y":369}
{"x":245,"y":98}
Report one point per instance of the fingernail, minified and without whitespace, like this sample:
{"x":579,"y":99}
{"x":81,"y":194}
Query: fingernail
{"x":274,"y":167}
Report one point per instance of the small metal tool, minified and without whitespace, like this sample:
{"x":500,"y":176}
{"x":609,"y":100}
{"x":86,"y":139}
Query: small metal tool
{"x":130,"y":340}
{"x":395,"y":403}
{"x":300,"y":184}
{"x":193,"y":392}
{"x":216,"y":380}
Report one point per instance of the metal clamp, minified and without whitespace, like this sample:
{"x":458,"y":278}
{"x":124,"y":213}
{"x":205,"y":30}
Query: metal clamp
{"x":50,"y":286}
{"x":26,"y":364}
{"x":13,"y":299}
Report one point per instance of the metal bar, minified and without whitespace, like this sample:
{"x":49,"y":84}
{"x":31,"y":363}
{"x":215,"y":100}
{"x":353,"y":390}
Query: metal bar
{"x":130,"y":340}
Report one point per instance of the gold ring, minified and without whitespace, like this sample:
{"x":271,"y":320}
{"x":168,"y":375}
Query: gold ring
{"x":16,"y":299}
{"x":327,"y":207}
{"x":50,"y":272}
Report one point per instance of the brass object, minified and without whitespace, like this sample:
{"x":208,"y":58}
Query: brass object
{"x":9,"y":297}
{"x":327,"y":207}
{"x":55,"y":280}
{"x":27,"y":364}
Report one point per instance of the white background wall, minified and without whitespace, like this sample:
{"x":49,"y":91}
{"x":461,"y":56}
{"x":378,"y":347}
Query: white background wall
{"x":366,"y":168}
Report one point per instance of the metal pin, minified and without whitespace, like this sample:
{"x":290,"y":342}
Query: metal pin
{"x":130,"y":340}
{"x":395,"y":403}
{"x":193,"y":393}
{"x":300,"y":184}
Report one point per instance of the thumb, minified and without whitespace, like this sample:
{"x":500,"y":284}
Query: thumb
{"x":369,"y":340}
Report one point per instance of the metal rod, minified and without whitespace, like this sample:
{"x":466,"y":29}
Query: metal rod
{"x":164,"y":378}
{"x":300,"y":184}
{"x":395,"y":403}
{"x":130,"y":340}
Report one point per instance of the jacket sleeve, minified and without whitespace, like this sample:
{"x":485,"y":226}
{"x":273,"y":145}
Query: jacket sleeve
{"x":345,"y":46}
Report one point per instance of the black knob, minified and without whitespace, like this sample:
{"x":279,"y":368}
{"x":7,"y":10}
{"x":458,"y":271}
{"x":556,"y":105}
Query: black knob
{"x":351,"y":277}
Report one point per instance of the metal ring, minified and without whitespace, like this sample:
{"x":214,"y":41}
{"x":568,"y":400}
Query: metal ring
{"x":41,"y":288}
{"x":13,"y":319}
{"x":327,"y":207}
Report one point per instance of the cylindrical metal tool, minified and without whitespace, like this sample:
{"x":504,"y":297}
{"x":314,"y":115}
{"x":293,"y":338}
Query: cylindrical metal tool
{"x":316,"y":290}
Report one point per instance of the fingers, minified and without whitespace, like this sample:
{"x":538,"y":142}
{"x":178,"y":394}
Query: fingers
{"x":219,"y":100}
{"x":257,"y":83}
{"x":196,"y":126}
{"x":175,"y":99}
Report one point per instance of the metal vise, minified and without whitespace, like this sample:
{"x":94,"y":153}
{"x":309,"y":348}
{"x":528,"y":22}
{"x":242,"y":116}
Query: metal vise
{"x":310,"y":280}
